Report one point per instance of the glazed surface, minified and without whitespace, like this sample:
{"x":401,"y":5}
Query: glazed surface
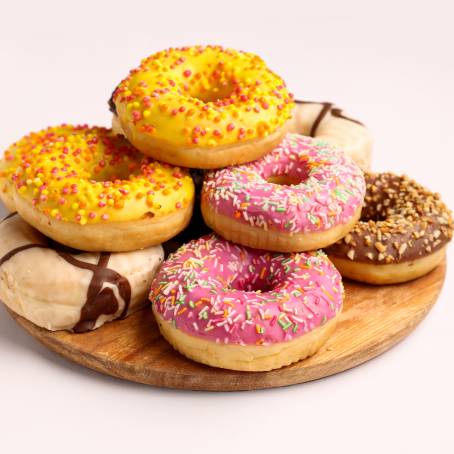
{"x":202,"y":96}
{"x":88,"y":175}
{"x":231,"y":294}
{"x":401,"y":221}
{"x":325,"y":188}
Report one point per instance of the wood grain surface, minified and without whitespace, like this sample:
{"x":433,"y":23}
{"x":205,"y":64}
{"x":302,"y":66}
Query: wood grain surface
{"x":373,"y":320}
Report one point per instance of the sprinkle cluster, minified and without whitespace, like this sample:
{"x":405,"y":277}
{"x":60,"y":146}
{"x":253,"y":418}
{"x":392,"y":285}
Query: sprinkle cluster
{"x":88,"y":175}
{"x":203,"y":96}
{"x":228,"y":293}
{"x":401,"y":221}
{"x":8,"y":164}
{"x":329,"y":187}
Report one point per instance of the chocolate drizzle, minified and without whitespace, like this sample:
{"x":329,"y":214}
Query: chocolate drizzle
{"x":327,"y":108}
{"x":100,"y":300}
{"x":7,"y":217}
{"x":15,"y":251}
{"x":112,"y":106}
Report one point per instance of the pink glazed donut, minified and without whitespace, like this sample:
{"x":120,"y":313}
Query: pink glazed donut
{"x":238,"y":308}
{"x":302,"y":196}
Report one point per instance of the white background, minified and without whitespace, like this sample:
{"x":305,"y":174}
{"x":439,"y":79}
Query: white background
{"x":390,"y":64}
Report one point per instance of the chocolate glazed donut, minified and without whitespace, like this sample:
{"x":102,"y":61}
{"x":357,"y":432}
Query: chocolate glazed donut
{"x":402,"y":234}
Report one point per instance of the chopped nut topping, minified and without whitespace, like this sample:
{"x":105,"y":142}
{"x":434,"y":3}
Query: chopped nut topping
{"x":399,"y":218}
{"x":380,"y":246}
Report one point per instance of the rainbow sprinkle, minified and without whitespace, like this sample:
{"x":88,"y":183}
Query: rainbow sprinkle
{"x":234,"y":294}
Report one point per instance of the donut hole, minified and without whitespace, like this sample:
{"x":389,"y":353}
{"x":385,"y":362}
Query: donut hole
{"x":255,"y":277}
{"x":216,"y":92}
{"x":111,"y":174}
{"x":212,"y":84}
{"x":377,"y":210}
{"x":368,"y":215}
{"x":286,"y":173}
{"x":284,"y":180}
{"x":250,"y":283}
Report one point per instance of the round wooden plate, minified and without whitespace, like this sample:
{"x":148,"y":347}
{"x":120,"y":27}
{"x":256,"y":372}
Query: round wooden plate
{"x":373,"y":320}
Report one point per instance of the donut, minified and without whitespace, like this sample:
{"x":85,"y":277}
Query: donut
{"x":238,"y":308}
{"x":91,"y":190}
{"x":402,"y":234}
{"x":327,"y":122}
{"x":62,"y":289}
{"x":203,"y":107}
{"x":8,"y":164}
{"x":304,"y":195}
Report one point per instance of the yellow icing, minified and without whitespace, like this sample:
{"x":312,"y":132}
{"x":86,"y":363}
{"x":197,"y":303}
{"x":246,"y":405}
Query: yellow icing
{"x":203,"y":97}
{"x":88,"y":175}
{"x":8,"y":164}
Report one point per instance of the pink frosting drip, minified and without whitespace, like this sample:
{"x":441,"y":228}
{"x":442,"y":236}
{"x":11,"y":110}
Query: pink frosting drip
{"x":331,"y":188}
{"x":223,"y":292}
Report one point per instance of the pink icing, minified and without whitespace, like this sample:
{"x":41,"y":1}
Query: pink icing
{"x":223,"y":292}
{"x":330,"y":191}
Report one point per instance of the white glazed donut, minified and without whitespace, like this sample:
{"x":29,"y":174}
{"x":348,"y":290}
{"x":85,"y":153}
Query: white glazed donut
{"x":58,"y":288}
{"x":325,"y":121}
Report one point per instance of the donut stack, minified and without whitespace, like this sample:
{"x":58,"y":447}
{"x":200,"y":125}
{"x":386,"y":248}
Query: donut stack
{"x":210,"y":155}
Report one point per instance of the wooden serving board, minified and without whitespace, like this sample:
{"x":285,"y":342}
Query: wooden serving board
{"x":373,"y":320}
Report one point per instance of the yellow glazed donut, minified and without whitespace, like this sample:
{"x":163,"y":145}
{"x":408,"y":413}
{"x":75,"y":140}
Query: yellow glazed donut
{"x":8,"y":165}
{"x":202,"y":107}
{"x":91,"y":190}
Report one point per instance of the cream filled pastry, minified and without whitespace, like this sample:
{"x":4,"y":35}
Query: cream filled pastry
{"x":59,"y":288}
{"x":325,"y":121}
